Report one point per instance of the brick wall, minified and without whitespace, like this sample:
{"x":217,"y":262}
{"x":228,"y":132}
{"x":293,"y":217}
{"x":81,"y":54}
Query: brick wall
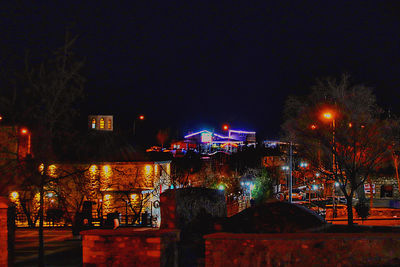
{"x":303,"y":249}
{"x":374,"y":212}
{"x":127,"y":247}
{"x":3,"y":233}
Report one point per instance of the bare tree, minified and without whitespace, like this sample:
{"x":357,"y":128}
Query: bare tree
{"x":340,"y":130}
{"x":45,"y":101}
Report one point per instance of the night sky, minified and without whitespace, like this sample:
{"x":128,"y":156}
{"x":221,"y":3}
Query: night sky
{"x":189,"y":64}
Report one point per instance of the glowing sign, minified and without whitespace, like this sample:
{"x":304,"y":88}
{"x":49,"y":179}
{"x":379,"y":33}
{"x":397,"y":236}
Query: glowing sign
{"x":206,"y":137}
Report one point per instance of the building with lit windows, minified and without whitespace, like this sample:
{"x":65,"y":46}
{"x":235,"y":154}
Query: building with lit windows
{"x":101,"y":122}
{"x":103,"y":175}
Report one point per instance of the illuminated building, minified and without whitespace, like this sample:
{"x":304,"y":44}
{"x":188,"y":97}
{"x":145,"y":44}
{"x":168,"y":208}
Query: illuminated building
{"x":208,"y":142}
{"x":101,"y":122}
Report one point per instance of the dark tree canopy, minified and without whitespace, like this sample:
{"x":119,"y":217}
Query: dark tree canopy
{"x":342,"y":132}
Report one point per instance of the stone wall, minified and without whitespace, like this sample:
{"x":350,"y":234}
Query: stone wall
{"x":180,"y":207}
{"x":237,"y":205}
{"x":3,"y":233}
{"x":127,"y":247}
{"x":303,"y":249}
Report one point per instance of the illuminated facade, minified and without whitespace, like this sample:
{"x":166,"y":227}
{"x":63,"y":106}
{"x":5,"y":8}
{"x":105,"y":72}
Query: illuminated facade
{"x":208,"y":142}
{"x":101,"y":122}
{"x":128,"y":188}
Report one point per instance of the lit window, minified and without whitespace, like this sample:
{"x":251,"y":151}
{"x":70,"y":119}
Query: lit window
{"x":93,"y":123}
{"x":101,"y":123}
{"x":109,"y":124}
{"x":148,"y":170}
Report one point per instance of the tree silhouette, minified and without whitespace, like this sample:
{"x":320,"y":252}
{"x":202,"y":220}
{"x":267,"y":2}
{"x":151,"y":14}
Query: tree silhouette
{"x":44,"y":99}
{"x":349,"y":144}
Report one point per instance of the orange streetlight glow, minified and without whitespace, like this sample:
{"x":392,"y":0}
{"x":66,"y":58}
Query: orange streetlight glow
{"x":350,"y":125}
{"x":328,"y":115}
{"x":225,"y":127}
{"x":313,"y":127}
{"x":141,"y":117}
{"x":24,"y":131}
{"x":1,"y":117}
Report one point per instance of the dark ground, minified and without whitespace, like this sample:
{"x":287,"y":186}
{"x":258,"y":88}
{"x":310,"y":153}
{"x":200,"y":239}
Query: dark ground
{"x":60,"y":248}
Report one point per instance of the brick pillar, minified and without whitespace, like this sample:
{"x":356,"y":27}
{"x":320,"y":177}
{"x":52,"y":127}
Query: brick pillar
{"x":169,"y":218}
{"x":3,"y":232}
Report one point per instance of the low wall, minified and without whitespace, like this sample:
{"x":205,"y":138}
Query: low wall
{"x":180,"y":207}
{"x":374,"y":212}
{"x":303,"y":249}
{"x":128,"y":247}
{"x":3,"y":233}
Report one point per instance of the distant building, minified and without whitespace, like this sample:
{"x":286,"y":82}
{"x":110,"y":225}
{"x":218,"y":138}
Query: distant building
{"x":101,"y":122}
{"x":208,"y":142}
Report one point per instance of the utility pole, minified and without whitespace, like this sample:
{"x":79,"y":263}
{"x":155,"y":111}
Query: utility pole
{"x":290,"y":171}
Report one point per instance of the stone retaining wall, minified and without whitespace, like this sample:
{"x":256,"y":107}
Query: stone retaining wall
{"x":128,"y":247}
{"x":303,"y":249}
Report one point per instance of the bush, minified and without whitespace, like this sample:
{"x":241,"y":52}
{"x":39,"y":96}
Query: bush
{"x":362,"y":209}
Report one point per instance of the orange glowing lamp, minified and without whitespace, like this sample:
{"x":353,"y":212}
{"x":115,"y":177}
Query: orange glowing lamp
{"x":225,"y":127}
{"x":350,"y":125}
{"x":24,"y":131}
{"x":313,"y":127}
{"x":141,"y":117}
{"x":328,"y":115}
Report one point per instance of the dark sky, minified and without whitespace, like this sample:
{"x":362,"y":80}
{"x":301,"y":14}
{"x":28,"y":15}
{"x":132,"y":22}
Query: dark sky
{"x":188,"y":64}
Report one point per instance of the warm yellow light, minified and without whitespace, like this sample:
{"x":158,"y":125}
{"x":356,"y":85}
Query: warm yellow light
{"x":101,"y":123}
{"x":24,"y":131}
{"x":107,"y":197}
{"x":52,"y":170}
{"x":350,"y":125}
{"x":313,"y":127}
{"x":141,"y":117}
{"x":14,"y":195}
{"x":155,"y":169}
{"x":328,"y":115}
{"x":134,"y":196}
{"x":107,"y":168}
{"x":168,"y":169}
{"x":93,"y":169}
{"x":147,"y":169}
{"x":41,"y":168}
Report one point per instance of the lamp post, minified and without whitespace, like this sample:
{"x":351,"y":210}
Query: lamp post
{"x":330,"y":116}
{"x":22,"y":132}
{"x":140,"y":117}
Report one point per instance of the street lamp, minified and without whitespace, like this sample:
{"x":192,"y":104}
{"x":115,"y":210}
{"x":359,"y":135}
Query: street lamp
{"x":141,"y":118}
{"x":225,"y":127}
{"x":330,"y":116}
{"x":24,"y":131}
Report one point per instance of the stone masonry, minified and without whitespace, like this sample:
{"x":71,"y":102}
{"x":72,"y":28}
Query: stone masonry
{"x":128,"y":247}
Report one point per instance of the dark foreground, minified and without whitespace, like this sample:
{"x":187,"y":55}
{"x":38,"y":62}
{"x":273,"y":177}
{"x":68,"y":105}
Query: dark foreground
{"x":60,"y":248}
